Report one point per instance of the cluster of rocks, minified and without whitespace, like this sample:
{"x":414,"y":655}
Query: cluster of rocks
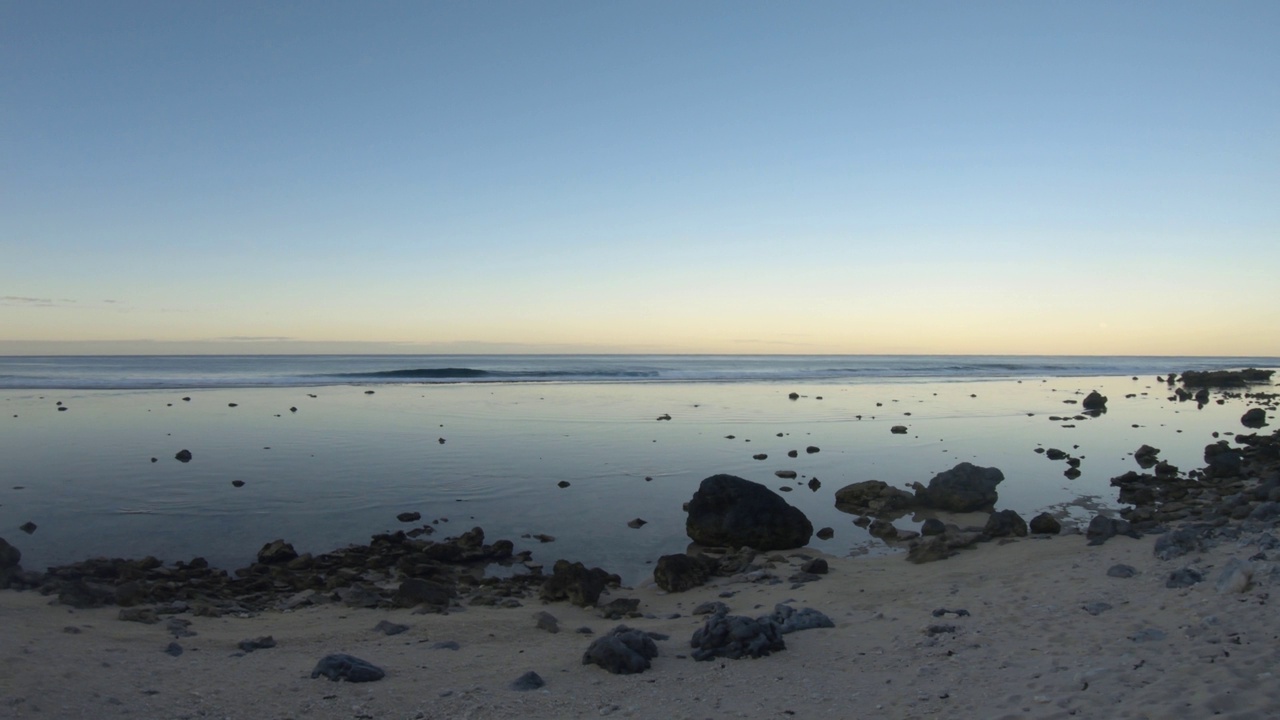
{"x":393,"y":570}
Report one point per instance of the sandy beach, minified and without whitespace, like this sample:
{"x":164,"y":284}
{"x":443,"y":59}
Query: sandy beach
{"x":1174,"y":623}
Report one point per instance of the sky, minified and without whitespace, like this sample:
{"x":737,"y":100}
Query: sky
{"x":693,"y":177}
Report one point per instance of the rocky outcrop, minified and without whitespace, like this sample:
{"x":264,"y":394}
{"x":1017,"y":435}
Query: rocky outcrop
{"x":575,"y":583}
{"x":736,"y":636}
{"x":730,"y":511}
{"x":1225,"y":378}
{"x":963,"y":488}
{"x":873,"y":497}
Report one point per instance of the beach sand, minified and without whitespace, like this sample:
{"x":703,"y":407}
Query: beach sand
{"x":1026,"y":649}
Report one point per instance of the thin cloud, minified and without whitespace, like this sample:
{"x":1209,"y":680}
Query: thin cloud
{"x":26,"y":301}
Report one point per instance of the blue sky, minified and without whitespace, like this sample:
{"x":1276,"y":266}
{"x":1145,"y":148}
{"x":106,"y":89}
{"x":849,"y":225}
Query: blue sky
{"x":1020,"y":177}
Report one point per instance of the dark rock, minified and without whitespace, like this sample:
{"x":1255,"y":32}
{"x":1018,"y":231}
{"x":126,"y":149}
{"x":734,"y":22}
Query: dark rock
{"x":812,"y":449}
{"x":874,"y":497}
{"x":528,"y":681}
{"x":1121,"y":571}
{"x":793,"y":396}
{"x":1223,"y":460}
{"x":898,"y":429}
{"x":1254,"y":418}
{"x":736,"y":636}
{"x":793,"y":453}
{"x":814,"y":484}
{"x":619,"y":608}
{"x":1146,"y":456}
{"x":729,"y":511}
{"x":637,"y":523}
{"x":1102,"y":528}
{"x":340,"y":666}
{"x":785,"y":474}
{"x":276,"y":552}
{"x":547,"y":621}
{"x":1225,"y":378}
{"x":680,"y":572}
{"x":258,"y":643}
{"x":173,"y":649}
{"x":790,"y":620}
{"x":563,"y":484}
{"x":816,"y":566}
{"x":1183,"y":577}
{"x":760,"y":456}
{"x":418,"y":591}
{"x":963,"y":488}
{"x":1055,"y":454}
{"x":10,"y":556}
{"x":882,"y":529}
{"x":932,"y":526}
{"x":183,"y":456}
{"x":1004,"y":524}
{"x":622,"y":651}
{"x":1094,"y":401}
{"x":1045,"y":524}
{"x":1096,"y":608}
{"x":575,"y":583}
{"x":1178,"y":542}
{"x":237,"y":483}
{"x":710,"y":607}
{"x":825,"y":533}
{"x":407,"y":517}
{"x":387,"y":627}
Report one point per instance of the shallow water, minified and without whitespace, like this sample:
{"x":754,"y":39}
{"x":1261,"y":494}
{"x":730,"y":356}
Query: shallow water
{"x":342,"y":466}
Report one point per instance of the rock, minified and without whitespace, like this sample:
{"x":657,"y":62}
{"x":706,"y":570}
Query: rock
{"x":1183,"y":577}
{"x":183,"y":456}
{"x":813,"y":449}
{"x":1254,"y":418}
{"x":932,"y":526}
{"x":547,"y":621}
{"x":387,"y":627}
{"x":814,"y":484}
{"x":1094,"y":401}
{"x":760,"y":456}
{"x":1225,"y":378}
{"x":1223,"y":460}
{"x":562,"y":484}
{"x":619,"y":608}
{"x":680,"y":572}
{"x":733,"y":512}
{"x":637,"y":523}
{"x":882,"y":529}
{"x":10,"y":556}
{"x":898,"y":429}
{"x":430,"y":594}
{"x":408,"y":517}
{"x":710,"y":607}
{"x":340,"y":666}
{"x":1235,"y":577}
{"x":276,"y":552}
{"x":785,"y":474}
{"x":1102,"y":528}
{"x":816,"y":566}
{"x":1121,"y":571}
{"x":825,"y":533}
{"x":790,"y":620}
{"x":1146,"y":456}
{"x":1177,"y":543}
{"x":575,"y":583}
{"x":793,"y":396}
{"x":622,"y":651}
{"x":1045,"y":524}
{"x":736,"y":636}
{"x":528,"y":681}
{"x":1096,"y":608}
{"x":1004,"y":524}
{"x":173,"y":649}
{"x":1055,"y":454}
{"x":258,"y":643}
{"x":963,"y":488}
{"x":873,"y":497}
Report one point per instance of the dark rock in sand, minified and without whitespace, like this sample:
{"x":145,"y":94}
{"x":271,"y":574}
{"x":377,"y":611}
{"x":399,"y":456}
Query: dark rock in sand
{"x":1102,"y":528}
{"x":816,"y":566}
{"x":183,"y":456}
{"x":736,"y":636}
{"x":619,"y":608}
{"x":1121,"y":571}
{"x":794,"y":396}
{"x":622,"y":651}
{"x":963,"y":488}
{"x":575,"y":583}
{"x":1004,"y":524}
{"x":1254,"y":418}
{"x":340,"y":666}
{"x":873,"y":497}
{"x":387,"y":627}
{"x":407,"y":517}
{"x":932,"y":526}
{"x":680,"y":572}
{"x":1183,"y":577}
{"x":733,"y":512}
{"x":1045,"y":524}
{"x":1094,"y":401}
{"x":417,"y":591}
{"x":258,"y":643}
{"x":173,"y":649}
{"x":1177,"y":543}
{"x":790,"y":620}
{"x":276,"y":552}
{"x":528,"y":681}
{"x":547,"y":621}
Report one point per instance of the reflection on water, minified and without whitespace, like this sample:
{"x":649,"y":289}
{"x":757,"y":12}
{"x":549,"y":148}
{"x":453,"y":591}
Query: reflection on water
{"x":347,"y":462}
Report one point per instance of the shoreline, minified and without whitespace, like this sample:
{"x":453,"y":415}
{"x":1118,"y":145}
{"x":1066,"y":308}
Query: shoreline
{"x":1048,"y":630}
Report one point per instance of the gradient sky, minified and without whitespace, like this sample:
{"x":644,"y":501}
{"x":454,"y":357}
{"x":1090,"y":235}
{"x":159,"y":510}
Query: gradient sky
{"x":813,"y":177}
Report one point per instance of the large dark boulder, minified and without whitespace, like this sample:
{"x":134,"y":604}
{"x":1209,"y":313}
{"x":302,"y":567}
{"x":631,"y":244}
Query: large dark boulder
{"x":1004,"y":524}
{"x":873,"y":497}
{"x":680,"y":572}
{"x":729,"y":511}
{"x":1095,"y":401}
{"x":1254,"y":418}
{"x":964,"y":488}
{"x":10,"y":556}
{"x":276,"y":552}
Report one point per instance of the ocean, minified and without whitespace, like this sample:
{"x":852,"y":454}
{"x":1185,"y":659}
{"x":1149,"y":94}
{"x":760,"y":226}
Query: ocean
{"x":324,"y":451}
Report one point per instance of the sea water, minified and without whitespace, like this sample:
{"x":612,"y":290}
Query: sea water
{"x":366,"y":443}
